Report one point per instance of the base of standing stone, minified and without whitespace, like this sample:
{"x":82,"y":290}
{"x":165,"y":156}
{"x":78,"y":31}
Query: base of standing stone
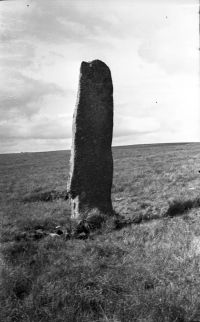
{"x":82,"y":210}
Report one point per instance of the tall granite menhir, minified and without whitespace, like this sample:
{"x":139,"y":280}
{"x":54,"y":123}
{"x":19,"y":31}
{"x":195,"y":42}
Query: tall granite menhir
{"x":91,"y":172}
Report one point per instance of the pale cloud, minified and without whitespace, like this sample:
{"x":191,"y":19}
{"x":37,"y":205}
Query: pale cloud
{"x":174,"y":45}
{"x":52,"y":21}
{"x":39,"y":127}
{"x":22,"y":96}
{"x":127,"y":125}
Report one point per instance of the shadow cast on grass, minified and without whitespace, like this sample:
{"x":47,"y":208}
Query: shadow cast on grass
{"x":46,"y":196}
{"x":121,"y":222}
{"x":176,"y":208}
{"x":179,"y":207}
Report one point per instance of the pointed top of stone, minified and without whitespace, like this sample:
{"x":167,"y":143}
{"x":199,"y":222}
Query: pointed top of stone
{"x":96,"y":70}
{"x":95,"y":62}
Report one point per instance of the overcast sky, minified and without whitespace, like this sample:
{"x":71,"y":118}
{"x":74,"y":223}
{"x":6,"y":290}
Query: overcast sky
{"x":151,"y":48}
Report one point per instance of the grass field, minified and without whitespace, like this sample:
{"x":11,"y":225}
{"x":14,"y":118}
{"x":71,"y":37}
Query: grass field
{"x":147,"y":271}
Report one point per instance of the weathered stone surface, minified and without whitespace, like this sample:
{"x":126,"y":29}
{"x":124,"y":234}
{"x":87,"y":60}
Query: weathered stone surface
{"x":91,"y":173}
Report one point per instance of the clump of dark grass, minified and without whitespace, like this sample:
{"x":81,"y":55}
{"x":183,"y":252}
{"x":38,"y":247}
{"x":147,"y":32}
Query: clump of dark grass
{"x":46,"y":196}
{"x":32,"y":226}
{"x":16,"y":282}
{"x":179,"y":207}
{"x":27,"y":230}
{"x":16,"y":251}
{"x":169,"y":312}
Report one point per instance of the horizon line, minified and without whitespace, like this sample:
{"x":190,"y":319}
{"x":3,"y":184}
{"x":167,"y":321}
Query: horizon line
{"x":113,"y":146}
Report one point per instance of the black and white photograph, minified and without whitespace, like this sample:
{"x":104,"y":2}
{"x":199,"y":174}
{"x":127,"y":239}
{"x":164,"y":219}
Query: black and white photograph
{"x":99,"y":161}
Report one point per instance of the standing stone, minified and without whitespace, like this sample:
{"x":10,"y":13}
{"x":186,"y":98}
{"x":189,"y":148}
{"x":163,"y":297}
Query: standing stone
{"x":91,"y":172}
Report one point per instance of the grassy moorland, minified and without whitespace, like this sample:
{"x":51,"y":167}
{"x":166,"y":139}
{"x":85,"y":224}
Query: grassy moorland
{"x":147,"y":271}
